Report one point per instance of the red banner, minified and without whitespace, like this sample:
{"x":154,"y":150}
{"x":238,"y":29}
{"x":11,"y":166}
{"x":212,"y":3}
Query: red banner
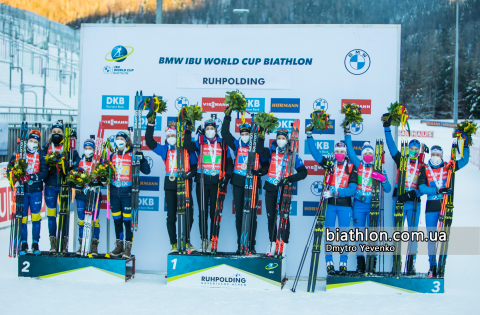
{"x":365,"y":105}
{"x":119,"y":122}
{"x":144,"y":144}
{"x":313,"y":168}
{"x":213,"y":104}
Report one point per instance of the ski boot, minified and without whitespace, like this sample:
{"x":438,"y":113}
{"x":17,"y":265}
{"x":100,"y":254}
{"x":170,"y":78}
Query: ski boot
{"x":272,"y":249}
{"x":238,"y":249}
{"x":53,"y":244}
{"x":343,"y":269}
{"x":23,"y":249}
{"x":411,"y":265}
{"x":79,"y":251}
{"x":190,"y":248}
{"x":94,"y":247}
{"x":204,"y":248}
{"x":252,"y":250}
{"x":64,"y":244}
{"x":118,"y":251}
{"x":209,"y":247}
{"x":174,"y":248}
{"x":361,"y":264}
{"x":330,"y":268}
{"x":284,"y":251}
{"x":128,"y":250}
{"x":35,"y":248}
{"x":432,"y":273}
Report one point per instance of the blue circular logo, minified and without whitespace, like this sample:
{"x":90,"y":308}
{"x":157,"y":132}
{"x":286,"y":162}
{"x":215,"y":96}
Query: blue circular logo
{"x":320,"y":103}
{"x":119,"y":53}
{"x":357,"y":61}
{"x":180,"y":102}
{"x":316,"y":188}
{"x":107,"y":69}
{"x":356,"y":129}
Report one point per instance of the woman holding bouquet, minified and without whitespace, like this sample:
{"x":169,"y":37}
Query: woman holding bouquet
{"x":32,"y":183}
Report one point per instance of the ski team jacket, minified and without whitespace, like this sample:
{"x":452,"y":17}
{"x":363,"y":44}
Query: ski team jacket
{"x":165,"y":152}
{"x":363,"y":169}
{"x":428,"y":185}
{"x":347,"y":186}
{"x":240,"y":152}
{"x":208,"y":166}
{"x":412,"y":166}
{"x":38,"y":169}
{"x":124,"y":175}
{"x":271,"y":154}
{"x":51,"y":179}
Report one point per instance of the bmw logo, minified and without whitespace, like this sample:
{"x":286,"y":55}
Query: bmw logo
{"x":357,"y":61}
{"x":316,"y":188}
{"x":119,"y":53}
{"x":356,"y":129}
{"x":150,"y":161}
{"x":107,"y":69}
{"x":320,"y":103}
{"x":181,"y":101}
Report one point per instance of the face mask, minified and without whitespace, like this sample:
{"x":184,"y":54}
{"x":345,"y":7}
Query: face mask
{"x":368,"y":158}
{"x":339,"y":157}
{"x":32,"y":146}
{"x":88,"y":153}
{"x":210,"y":134}
{"x":57,"y":138}
{"x":436,"y":160}
{"x":281,"y":143}
{"x":120,"y":144}
{"x":171,"y":140}
{"x":414,"y":153}
{"x":245,"y":139}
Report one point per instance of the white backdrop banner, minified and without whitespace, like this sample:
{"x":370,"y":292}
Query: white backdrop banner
{"x":287,"y":70}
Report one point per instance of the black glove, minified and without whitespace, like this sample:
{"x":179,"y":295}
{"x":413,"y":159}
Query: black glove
{"x":189,"y":123}
{"x":140,"y":154}
{"x":151,"y":117}
{"x":287,"y":180}
{"x":408,"y":196}
{"x":228,"y":111}
{"x":188,"y":175}
{"x":103,"y":180}
{"x":444,"y":191}
{"x":224,"y":182}
{"x":200,"y":130}
{"x":257,"y":172}
{"x":387,"y":123}
{"x":95,"y":184}
{"x":79,"y":189}
{"x":425,"y":148}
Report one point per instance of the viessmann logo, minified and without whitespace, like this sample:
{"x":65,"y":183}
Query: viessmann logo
{"x":313,"y":168}
{"x":213,"y":104}
{"x":115,"y":121}
{"x":365,"y":105}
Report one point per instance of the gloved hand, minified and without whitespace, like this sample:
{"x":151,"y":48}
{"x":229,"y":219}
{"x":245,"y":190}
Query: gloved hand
{"x":25,"y":178}
{"x":330,"y":194}
{"x":151,"y":117}
{"x":388,"y":122}
{"x":379,"y":177}
{"x":408,"y":196}
{"x":309,"y":130}
{"x":287,"y":180}
{"x":79,"y":188}
{"x":425,"y":148}
{"x":95,"y":184}
{"x":444,"y":191}
{"x":200,"y":130}
{"x":140,"y":154}
{"x":189,"y":124}
{"x":228,"y":111}
{"x":187,"y":175}
{"x":257,"y":172}
{"x":224,"y":182}
{"x":103,"y":180}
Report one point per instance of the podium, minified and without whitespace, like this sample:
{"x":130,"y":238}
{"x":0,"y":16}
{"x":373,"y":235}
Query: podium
{"x":226,"y":270}
{"x":71,"y":267}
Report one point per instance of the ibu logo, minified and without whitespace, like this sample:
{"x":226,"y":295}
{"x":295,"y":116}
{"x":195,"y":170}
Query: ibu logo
{"x":323,"y":146}
{"x":119,"y":102}
{"x":255,"y":105}
{"x":148,"y":203}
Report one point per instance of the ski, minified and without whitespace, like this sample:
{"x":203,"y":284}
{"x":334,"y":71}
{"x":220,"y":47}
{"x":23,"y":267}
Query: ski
{"x":319,"y":224}
{"x":371,"y":260}
{"x":64,"y":207}
{"x":181,"y":193}
{"x":398,"y":214}
{"x":137,"y":122}
{"x":92,"y":195}
{"x":220,"y":201}
{"x":287,"y":191}
{"x":446,"y":213}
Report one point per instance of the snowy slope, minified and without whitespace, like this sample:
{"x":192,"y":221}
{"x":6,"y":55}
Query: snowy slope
{"x":149,"y":294}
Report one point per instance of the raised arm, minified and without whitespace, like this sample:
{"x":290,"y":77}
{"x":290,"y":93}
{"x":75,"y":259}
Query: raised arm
{"x":313,"y":150}
{"x":465,"y":158}
{"x":188,"y":143}
{"x":261,"y":150}
{"x":351,"y":152}
{"x":226,"y":134}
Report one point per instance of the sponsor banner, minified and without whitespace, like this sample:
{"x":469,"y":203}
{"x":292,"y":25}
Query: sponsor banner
{"x":259,"y":207}
{"x":329,"y":131}
{"x":316,"y":188}
{"x":238,"y":123}
{"x":118,"y":122}
{"x":285,"y":105}
{"x":416,"y":134}
{"x":6,"y":202}
{"x":357,"y":146}
{"x":293,"y":208}
{"x":255,"y":105}
{"x":214,"y":104}
{"x":313,"y":168}
{"x":148,"y":203}
{"x":120,"y":102}
{"x":285,"y":124}
{"x":228,"y":82}
{"x":310,"y":208}
{"x":151,"y":183}
{"x":158,"y":123}
{"x":437,"y":123}
{"x":171,"y":121}
{"x":144,"y":144}
{"x":323,"y":146}
{"x":355,"y":129}
{"x":365,"y":105}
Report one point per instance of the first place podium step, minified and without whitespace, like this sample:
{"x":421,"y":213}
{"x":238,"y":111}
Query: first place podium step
{"x":226,"y":270}
{"x":72,"y":267}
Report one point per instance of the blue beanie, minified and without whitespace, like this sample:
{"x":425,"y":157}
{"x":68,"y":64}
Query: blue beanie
{"x":34,"y":134}
{"x":58,"y":124}
{"x":89,"y":143}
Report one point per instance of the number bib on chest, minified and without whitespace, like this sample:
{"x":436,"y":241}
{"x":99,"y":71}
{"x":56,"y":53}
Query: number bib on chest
{"x":364,"y":179}
{"x":33,"y":160}
{"x":241,"y":161}
{"x":275,"y":169}
{"x":123,"y":168}
{"x":214,"y":152}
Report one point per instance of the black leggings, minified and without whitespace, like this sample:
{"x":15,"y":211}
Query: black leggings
{"x":171,"y":200}
{"x":238,"y":198}
{"x":271,"y":205}
{"x":210,"y":197}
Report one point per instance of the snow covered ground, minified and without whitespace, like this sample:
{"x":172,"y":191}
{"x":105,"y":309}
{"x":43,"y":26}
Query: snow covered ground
{"x":149,"y":293}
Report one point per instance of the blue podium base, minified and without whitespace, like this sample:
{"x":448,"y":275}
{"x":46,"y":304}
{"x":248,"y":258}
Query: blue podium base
{"x":384,"y":283}
{"x":69,"y":266}
{"x":226,"y":270}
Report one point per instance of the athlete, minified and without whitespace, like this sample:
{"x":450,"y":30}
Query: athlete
{"x":32,"y":183}
{"x":342,"y":188}
{"x":363,"y":193}
{"x":411,"y":197}
{"x":432,"y":181}
{"x":240,"y":152}
{"x":210,"y":150}
{"x":275,"y":179}
{"x":121,"y":192}
{"x":80,"y":197}
{"x":53,"y":182}
{"x":168,"y":153}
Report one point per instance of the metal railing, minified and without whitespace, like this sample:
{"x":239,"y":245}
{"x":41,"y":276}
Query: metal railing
{"x":37,"y":114}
